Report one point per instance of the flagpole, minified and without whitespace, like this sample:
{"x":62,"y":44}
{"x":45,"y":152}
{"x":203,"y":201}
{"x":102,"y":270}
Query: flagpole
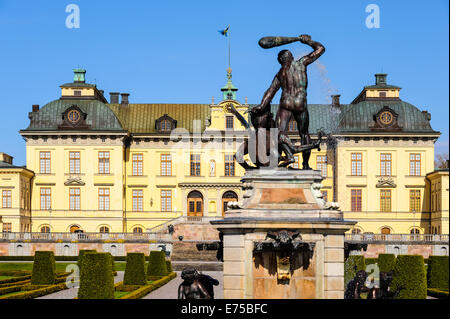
{"x":229,"y":49}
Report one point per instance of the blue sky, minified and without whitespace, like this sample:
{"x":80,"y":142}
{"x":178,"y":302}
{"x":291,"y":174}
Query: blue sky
{"x":170,"y":51}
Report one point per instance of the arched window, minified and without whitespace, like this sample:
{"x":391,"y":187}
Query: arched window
{"x":75,"y":229}
{"x":385,"y":230}
{"x":137,"y":230}
{"x":228,"y":196}
{"x":356,"y":231}
{"x":414,"y":231}
{"x":45,"y":229}
{"x":104,"y":229}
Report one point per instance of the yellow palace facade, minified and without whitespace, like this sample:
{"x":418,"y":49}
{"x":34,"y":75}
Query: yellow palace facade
{"x":99,"y":166}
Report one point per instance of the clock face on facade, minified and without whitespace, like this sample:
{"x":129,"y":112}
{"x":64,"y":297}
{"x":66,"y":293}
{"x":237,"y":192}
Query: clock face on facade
{"x":74,"y":116}
{"x":386,"y":118}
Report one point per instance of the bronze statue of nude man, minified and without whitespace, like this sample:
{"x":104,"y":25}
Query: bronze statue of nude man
{"x":293,"y":81}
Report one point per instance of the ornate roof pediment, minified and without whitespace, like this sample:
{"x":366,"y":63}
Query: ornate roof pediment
{"x":386,"y":119}
{"x":74,"y":119}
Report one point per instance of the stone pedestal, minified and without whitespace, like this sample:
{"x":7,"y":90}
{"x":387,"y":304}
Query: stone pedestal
{"x":283,"y":240}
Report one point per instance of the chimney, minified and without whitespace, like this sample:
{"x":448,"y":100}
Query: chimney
{"x":125,"y":98}
{"x":380,"y":79}
{"x":114,"y":97}
{"x":335,"y":100}
{"x":35,"y":107}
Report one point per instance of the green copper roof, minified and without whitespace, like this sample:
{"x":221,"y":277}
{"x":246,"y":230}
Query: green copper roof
{"x":99,"y":115}
{"x":140,"y":118}
{"x":87,"y":85}
{"x":359,"y":117}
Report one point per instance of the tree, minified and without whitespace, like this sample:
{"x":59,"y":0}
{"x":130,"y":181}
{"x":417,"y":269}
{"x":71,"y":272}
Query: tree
{"x":441,"y":161}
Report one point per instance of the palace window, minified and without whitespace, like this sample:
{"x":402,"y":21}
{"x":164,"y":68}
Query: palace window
{"x":103,"y":199}
{"x":166,"y":165}
{"x":195,"y":164}
{"x":321,"y":161}
{"x":229,"y":165}
{"x":74,"y":199}
{"x":414,"y":200}
{"x":385,"y":200}
{"x":356,"y":198}
{"x":103,"y":162}
{"x":356,"y":164}
{"x":137,"y":230}
{"x":46,"y":198}
{"x":229,"y":122}
{"x":414,"y":164}
{"x":74,"y":162}
{"x":385,"y":164}
{"x":137,"y":164}
{"x":6,"y":199}
{"x":292,"y":126}
{"x":44,"y":162}
{"x":77,"y":93}
{"x":414,"y":231}
{"x":7,"y":227}
{"x":356,"y":231}
{"x":382,"y":93}
{"x":45,"y":229}
{"x":138,"y":200}
{"x":166,"y":200}
{"x":165,"y":125}
{"x":104,"y":229}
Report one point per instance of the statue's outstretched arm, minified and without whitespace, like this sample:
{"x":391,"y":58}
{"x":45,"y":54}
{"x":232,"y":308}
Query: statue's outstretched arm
{"x":268,"y":95}
{"x":319,"y":49}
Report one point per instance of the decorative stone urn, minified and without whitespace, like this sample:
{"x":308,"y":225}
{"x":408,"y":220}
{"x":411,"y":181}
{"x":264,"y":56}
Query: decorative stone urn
{"x":282,"y":240}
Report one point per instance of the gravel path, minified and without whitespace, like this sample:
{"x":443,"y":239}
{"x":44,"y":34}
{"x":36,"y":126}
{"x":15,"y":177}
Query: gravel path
{"x":170,"y":290}
{"x":73,"y":292}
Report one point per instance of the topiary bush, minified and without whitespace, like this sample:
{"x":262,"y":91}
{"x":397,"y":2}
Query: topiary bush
{"x":82,"y":253}
{"x":135,"y":273}
{"x":352,"y":264}
{"x":96,"y":277}
{"x":386,"y":262}
{"x":44,"y":269}
{"x":437,"y":272}
{"x":410,"y":279}
{"x":157,"y":267}
{"x":169,"y":266}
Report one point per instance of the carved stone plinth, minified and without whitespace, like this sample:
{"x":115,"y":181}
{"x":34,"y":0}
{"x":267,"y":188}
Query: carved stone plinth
{"x":282,"y":240}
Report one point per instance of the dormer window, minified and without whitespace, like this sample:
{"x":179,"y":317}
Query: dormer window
{"x":165,"y":124}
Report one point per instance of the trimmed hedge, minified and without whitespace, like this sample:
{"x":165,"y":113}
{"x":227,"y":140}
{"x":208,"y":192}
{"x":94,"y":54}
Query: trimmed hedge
{"x":386,"y":262}
{"x":352,"y":265}
{"x":96,"y":277}
{"x":169,"y":266}
{"x":81,"y":254}
{"x":44,"y":268}
{"x":410,"y":278}
{"x":371,"y":261}
{"x":59,"y":258}
{"x":135,"y":273}
{"x":145,"y":290}
{"x":14,"y":279}
{"x":37,"y":293}
{"x":437,"y":272}
{"x":437,"y":293}
{"x":157,"y":267}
